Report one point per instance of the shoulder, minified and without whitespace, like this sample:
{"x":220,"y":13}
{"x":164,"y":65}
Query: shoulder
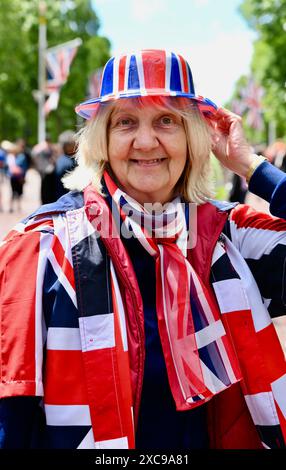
{"x":242,"y":214}
{"x":245,"y":216}
{"x":70,"y":201}
{"x":223,"y":206}
{"x":25,"y":242}
{"x":40,"y":224}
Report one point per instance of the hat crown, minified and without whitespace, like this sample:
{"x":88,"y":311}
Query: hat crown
{"x":146,"y":72}
{"x":150,"y":72}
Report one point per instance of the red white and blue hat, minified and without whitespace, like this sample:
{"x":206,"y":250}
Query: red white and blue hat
{"x":149,"y":72}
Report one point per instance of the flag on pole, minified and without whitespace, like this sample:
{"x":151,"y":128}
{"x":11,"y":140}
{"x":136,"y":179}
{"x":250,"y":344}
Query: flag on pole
{"x":250,"y":104}
{"x":252,"y":98}
{"x":58,"y":62}
{"x":52,"y":102}
{"x":94,"y":83}
{"x":237,"y":106}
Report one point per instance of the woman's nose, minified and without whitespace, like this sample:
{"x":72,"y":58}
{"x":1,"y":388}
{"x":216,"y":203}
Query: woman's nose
{"x":145,"y":138}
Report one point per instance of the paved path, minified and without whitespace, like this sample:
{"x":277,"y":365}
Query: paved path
{"x":30,"y":201}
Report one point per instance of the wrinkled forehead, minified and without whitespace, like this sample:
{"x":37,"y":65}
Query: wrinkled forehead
{"x":159,"y":102}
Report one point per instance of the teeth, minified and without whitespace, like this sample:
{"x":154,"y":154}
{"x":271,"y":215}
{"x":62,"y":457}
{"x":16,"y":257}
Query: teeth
{"x":147,"y":162}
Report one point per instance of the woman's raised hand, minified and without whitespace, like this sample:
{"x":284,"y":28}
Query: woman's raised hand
{"x":229,"y":143}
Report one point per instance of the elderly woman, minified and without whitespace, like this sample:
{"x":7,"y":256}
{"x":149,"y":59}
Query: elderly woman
{"x":136,"y":311}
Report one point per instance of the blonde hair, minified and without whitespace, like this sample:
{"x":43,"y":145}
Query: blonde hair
{"x":195,"y":183}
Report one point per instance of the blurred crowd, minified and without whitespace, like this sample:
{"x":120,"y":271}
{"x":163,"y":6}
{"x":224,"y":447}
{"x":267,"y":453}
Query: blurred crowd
{"x":50,"y":160}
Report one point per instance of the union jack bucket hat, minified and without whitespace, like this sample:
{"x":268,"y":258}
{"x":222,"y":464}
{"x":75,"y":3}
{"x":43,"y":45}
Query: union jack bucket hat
{"x":149,"y":72}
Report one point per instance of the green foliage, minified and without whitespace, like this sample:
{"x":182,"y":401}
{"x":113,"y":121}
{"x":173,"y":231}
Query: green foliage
{"x":268,"y":19}
{"x":66,"y":20}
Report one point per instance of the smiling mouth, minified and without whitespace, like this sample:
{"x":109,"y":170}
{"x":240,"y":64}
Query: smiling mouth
{"x":153,"y":162}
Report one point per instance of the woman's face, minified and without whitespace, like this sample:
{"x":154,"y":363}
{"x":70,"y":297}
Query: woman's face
{"x":147,"y":150}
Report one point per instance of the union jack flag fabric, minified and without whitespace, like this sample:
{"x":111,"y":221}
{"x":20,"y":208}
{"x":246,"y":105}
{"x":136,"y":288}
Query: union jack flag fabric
{"x":251,"y":96}
{"x":52,"y":102}
{"x":68,"y":320}
{"x":94,"y":83}
{"x":58,"y":62}
{"x":250,"y":103}
{"x":145,"y":73}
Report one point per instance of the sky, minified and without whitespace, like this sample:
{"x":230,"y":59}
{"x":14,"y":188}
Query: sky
{"x":211,"y":34}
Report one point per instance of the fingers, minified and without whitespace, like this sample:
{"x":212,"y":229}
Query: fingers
{"x":224,"y":119}
{"x":226,"y":113}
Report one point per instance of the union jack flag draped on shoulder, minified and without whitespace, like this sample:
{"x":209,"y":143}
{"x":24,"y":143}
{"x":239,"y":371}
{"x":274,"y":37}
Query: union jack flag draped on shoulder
{"x":58,"y":62}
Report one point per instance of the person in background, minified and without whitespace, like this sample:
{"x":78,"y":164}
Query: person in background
{"x":238,"y":190}
{"x":43,"y":159}
{"x":3,"y":170}
{"x":65,"y":162}
{"x":145,"y":321}
{"x":17,"y":167}
{"x":25,"y":149}
{"x":3,"y":158}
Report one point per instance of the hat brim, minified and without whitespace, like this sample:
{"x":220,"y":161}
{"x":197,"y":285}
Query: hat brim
{"x":89,"y":108}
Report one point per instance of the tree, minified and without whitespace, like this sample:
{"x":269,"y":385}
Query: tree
{"x":66,"y":19}
{"x":268,"y":18}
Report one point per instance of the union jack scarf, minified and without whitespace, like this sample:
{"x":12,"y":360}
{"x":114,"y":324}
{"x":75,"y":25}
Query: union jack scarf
{"x":188,"y":318}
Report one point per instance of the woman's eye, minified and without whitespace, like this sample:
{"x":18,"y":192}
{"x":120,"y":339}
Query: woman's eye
{"x":121,"y":122}
{"x":167,"y":120}
{"x":124,"y":122}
